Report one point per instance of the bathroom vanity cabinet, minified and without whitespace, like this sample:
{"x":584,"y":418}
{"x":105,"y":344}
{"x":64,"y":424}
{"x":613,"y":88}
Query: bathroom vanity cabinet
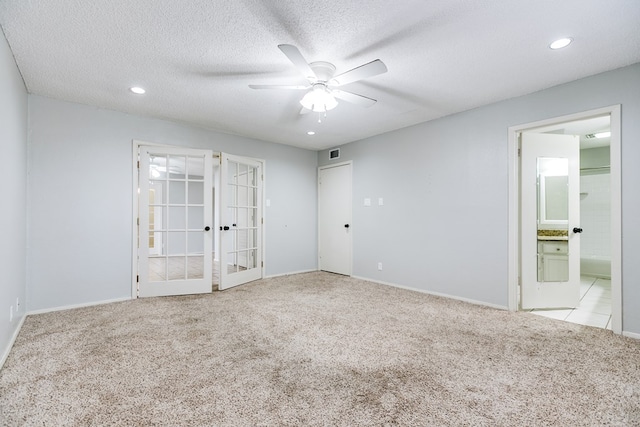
{"x":553,"y":260}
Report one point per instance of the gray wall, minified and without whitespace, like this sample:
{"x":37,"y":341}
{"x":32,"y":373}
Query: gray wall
{"x":443,"y":227}
{"x":80,"y":201}
{"x":13,"y":186}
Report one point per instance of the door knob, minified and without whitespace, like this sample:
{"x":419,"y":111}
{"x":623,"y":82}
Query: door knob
{"x":225,"y":228}
{"x":577,"y":230}
{"x":207,"y":228}
{"x":346,"y":226}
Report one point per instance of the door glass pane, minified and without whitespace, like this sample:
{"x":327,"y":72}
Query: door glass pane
{"x":243,"y":178}
{"x":177,"y":267}
{"x":195,"y":267}
{"x":177,"y":167}
{"x":195,"y":242}
{"x":177,"y":219}
{"x":196,"y":193}
{"x":196,"y":167}
{"x":232,"y":263}
{"x":177,"y":193}
{"x":157,"y":269}
{"x":243,"y":239}
{"x":196,"y":217}
{"x":157,"y":167}
{"x":177,"y":243}
{"x":552,"y":215}
{"x":159,"y":192}
{"x":252,"y":259}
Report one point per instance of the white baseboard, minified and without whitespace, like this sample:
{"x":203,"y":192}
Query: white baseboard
{"x":5,"y":355}
{"x":631,"y":335}
{"x":271,"y":276}
{"x":70,"y":307}
{"x":438,"y":294}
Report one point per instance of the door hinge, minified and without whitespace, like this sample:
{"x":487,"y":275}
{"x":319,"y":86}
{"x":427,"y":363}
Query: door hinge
{"x":138,"y":164}
{"x":261,"y":263}
{"x":138,"y":279}
{"x":261,"y":220}
{"x":518,"y":152}
{"x":138,"y":221}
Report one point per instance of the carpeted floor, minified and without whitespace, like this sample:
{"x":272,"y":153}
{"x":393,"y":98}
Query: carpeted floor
{"x":315,"y":349}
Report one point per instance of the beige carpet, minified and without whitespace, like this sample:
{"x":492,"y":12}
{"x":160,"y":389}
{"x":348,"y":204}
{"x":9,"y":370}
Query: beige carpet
{"x":315,"y":349}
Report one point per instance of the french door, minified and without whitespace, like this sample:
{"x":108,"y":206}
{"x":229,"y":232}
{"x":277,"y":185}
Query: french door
{"x":175,"y":216}
{"x":241,"y":220}
{"x":550,"y":215}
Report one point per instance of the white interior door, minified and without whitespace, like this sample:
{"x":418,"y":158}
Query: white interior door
{"x":334,"y":218}
{"x":550,"y":221}
{"x":241,"y":220}
{"x":175,"y":215}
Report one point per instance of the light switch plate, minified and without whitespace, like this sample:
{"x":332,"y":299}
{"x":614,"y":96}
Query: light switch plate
{"x":367,"y":202}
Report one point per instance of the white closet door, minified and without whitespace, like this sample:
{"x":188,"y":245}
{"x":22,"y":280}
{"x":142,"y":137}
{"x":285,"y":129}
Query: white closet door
{"x":334,"y":217}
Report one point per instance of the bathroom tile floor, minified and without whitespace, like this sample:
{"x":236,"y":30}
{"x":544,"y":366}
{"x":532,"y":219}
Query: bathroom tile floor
{"x":594,"y":308}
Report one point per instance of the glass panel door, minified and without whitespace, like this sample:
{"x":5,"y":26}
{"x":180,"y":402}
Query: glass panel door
{"x":175,"y":233}
{"x":241,"y":225}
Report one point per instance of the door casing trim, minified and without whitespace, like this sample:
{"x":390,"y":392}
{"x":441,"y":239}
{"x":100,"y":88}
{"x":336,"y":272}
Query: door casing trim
{"x":513,"y":243}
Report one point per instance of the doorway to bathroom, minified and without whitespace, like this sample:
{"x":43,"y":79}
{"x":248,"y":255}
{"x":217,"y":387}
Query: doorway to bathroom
{"x":565,"y":223}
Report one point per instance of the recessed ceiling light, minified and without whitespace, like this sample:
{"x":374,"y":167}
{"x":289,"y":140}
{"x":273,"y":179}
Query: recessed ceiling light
{"x":311,"y":132}
{"x":602,"y":134}
{"x":560,"y":43}
{"x":137,"y":90}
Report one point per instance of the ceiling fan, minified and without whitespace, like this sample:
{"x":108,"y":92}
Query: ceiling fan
{"x":321,"y":90}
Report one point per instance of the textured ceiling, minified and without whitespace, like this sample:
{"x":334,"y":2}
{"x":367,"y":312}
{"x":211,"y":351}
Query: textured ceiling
{"x":196,"y":58}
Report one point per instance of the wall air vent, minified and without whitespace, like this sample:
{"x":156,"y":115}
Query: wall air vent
{"x":334,"y":154}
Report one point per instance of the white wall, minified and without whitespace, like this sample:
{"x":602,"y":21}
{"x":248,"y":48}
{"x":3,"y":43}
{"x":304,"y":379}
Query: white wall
{"x":80,"y":208}
{"x":13,"y":186}
{"x":443,"y":227}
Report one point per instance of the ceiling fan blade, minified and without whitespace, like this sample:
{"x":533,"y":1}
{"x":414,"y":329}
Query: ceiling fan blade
{"x":304,"y":111}
{"x":369,"y":69}
{"x":298,"y":60}
{"x":297,"y":87}
{"x":353,"y":98}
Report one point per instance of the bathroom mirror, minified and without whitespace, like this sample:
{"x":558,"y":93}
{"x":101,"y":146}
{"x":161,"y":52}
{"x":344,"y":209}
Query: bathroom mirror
{"x":553,"y":191}
{"x":553,"y":215}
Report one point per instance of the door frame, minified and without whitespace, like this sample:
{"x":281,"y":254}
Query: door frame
{"x":513,"y":244}
{"x":135,"y":148}
{"x":330,"y":166}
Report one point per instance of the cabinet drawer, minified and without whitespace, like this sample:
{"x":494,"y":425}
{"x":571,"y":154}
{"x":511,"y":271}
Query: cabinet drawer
{"x":555,"y":247}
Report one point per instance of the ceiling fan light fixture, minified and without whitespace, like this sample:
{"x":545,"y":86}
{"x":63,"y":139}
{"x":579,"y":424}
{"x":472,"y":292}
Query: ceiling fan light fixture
{"x":319,"y":99}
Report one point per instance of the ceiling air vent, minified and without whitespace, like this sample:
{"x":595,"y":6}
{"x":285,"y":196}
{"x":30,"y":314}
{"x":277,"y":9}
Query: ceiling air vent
{"x":590,"y":136}
{"x":334,"y":154}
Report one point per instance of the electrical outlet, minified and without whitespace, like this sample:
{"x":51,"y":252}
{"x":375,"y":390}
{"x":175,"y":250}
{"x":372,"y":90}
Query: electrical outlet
{"x":11,"y":314}
{"x":380,"y":266}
